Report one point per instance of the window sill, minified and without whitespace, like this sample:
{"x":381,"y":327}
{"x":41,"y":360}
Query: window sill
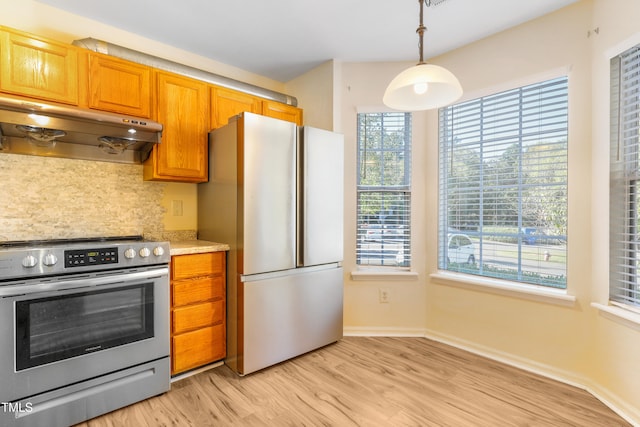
{"x":381,"y":275}
{"x":618,"y":314}
{"x":501,"y":287}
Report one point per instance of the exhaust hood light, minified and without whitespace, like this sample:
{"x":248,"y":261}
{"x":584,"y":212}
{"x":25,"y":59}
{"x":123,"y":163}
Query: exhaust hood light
{"x":41,"y":120}
{"x":132,"y":131}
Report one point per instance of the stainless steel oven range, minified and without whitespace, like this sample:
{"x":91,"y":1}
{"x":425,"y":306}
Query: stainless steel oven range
{"x":84,"y":328}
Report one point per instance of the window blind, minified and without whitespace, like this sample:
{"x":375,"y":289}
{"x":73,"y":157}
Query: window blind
{"x":384,"y":189}
{"x":624,"y":179}
{"x":503,"y":185}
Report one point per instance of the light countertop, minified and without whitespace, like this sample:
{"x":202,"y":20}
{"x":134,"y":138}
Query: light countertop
{"x":186,"y":247}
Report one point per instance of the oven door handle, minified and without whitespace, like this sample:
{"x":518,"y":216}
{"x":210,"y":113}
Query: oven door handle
{"x":81,"y":282}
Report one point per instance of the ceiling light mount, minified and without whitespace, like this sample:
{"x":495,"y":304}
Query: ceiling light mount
{"x":423,"y":86}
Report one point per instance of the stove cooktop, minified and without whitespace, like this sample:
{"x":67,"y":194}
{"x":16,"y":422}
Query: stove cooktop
{"x":35,"y":258}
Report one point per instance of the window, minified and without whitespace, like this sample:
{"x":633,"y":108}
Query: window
{"x":624,"y":259}
{"x":503,"y":185}
{"x":384,"y":189}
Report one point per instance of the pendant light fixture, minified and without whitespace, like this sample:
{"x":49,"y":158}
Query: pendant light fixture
{"x":423,"y":86}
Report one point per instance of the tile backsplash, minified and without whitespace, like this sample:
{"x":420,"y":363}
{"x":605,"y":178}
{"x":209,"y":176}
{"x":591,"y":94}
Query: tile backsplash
{"x":52,"y":198}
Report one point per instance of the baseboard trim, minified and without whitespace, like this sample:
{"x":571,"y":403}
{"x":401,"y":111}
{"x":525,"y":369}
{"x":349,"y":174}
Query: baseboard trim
{"x":621,"y":407}
{"x":617,"y":405}
{"x":365,"y":331}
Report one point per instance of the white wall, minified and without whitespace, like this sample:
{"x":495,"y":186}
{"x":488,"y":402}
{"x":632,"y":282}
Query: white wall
{"x":315,"y":95}
{"x":570,"y":341}
{"x":616,"y":343}
{"x":362,"y":87}
{"x":545,"y":334}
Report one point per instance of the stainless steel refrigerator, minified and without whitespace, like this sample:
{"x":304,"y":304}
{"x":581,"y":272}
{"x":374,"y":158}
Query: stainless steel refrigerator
{"x":275,"y":195}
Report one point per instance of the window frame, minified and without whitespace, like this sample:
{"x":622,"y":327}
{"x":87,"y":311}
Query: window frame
{"x":402,"y":192}
{"x":443,"y":231}
{"x":624,"y":180}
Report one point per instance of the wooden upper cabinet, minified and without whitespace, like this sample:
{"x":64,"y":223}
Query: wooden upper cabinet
{"x":282,"y":111}
{"x":119,"y":86}
{"x":38,"y":68}
{"x":226,"y":103}
{"x":183,"y":109}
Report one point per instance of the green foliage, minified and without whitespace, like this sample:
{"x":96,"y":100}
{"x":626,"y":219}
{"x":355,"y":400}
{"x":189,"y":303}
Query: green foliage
{"x":508,"y":189}
{"x":384,"y":158}
{"x":504,"y":273}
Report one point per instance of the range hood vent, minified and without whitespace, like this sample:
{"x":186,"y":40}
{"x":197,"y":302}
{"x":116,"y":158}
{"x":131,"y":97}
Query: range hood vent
{"x":41,"y":129}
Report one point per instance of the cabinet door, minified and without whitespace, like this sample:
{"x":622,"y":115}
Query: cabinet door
{"x":38,"y":68}
{"x":183,"y":109}
{"x":196,"y":348}
{"x":226,"y":103}
{"x":119,"y":86}
{"x":197,"y":316}
{"x":282,"y":111}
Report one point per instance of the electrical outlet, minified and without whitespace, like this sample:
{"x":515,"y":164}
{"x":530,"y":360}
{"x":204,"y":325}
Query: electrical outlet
{"x":176,"y":207}
{"x":383,"y":295}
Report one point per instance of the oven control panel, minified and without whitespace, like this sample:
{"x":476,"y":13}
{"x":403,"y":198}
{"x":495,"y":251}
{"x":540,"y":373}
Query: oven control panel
{"x":88,"y":257}
{"x":27,"y":259}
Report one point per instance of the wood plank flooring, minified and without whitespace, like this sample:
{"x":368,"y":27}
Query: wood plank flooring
{"x":370,"y":381}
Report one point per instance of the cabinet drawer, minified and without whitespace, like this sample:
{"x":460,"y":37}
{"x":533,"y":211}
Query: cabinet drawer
{"x":197,"y":348}
{"x":195,"y":265}
{"x":189,"y":291}
{"x":197,"y":316}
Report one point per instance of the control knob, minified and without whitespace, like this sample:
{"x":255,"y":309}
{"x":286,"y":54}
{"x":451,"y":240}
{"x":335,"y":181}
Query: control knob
{"x":145,"y":252}
{"x":29,"y":261}
{"x":129,"y":253}
{"x":158,"y":251}
{"x":50,"y":260}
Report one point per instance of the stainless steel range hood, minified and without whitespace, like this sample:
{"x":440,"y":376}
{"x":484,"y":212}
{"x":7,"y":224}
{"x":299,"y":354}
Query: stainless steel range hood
{"x":41,"y":129}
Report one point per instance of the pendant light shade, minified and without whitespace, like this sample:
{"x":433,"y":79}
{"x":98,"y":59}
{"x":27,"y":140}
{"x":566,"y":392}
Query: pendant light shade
{"x":423,"y":86}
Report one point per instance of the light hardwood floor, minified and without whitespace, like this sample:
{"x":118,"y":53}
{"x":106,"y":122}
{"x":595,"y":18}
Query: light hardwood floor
{"x":365,"y":381}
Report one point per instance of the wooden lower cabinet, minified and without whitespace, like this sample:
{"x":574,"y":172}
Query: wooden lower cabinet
{"x":197,"y":348}
{"x":198,"y":316}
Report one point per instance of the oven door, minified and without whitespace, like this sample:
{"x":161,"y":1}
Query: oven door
{"x":78,"y":327}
